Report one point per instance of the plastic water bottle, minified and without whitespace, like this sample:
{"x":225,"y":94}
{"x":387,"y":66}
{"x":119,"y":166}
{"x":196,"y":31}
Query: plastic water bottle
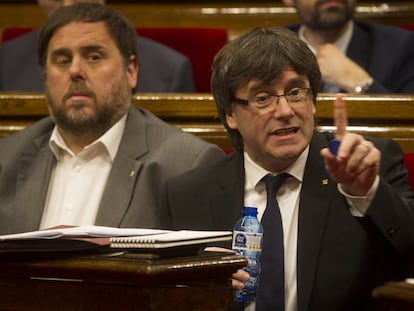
{"x":247,"y":241}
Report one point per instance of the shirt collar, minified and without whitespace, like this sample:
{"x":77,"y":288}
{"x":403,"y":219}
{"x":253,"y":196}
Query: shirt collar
{"x":255,"y":173}
{"x":110,"y":140}
{"x":342,"y":42}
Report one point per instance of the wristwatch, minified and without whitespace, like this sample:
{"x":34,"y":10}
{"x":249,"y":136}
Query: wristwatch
{"x":363,"y":86}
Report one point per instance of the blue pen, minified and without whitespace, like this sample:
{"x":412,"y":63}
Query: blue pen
{"x":333,"y":146}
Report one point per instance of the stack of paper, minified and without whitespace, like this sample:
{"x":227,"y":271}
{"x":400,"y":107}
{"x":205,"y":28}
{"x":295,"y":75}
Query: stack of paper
{"x":109,"y":239}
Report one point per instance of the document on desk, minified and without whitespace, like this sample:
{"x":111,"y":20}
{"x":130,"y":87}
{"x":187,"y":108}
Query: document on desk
{"x":68,"y":239}
{"x":108,"y":239}
{"x":81,"y":231}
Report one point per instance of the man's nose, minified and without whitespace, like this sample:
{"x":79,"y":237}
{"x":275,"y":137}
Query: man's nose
{"x":77,"y":69}
{"x":283,"y":107}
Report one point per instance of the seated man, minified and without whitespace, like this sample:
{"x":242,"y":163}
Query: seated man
{"x":354,"y":55}
{"x":346,"y":219}
{"x":162,"y":69}
{"x":96,"y":159}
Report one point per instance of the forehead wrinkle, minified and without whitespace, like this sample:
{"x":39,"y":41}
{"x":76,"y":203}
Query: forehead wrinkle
{"x":258,"y":85}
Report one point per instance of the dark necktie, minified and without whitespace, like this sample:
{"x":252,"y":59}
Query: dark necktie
{"x":271,"y":291}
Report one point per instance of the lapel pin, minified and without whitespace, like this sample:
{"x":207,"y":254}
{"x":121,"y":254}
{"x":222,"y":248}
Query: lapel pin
{"x":132,"y":173}
{"x":324,"y":182}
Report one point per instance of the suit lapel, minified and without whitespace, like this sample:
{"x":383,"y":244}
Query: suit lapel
{"x":316,"y":193}
{"x":125,"y":170}
{"x":359,"y":47}
{"x":33,"y":173}
{"x":230,"y":197}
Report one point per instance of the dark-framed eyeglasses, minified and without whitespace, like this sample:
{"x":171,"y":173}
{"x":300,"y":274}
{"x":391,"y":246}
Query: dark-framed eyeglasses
{"x":263,"y":104}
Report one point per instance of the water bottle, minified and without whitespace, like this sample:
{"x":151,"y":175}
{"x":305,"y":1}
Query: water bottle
{"x":247,"y":241}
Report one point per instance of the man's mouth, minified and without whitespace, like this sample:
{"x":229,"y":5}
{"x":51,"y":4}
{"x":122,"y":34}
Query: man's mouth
{"x":78,"y":97}
{"x":285,"y":132}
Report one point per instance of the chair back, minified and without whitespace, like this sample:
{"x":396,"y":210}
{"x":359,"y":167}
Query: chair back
{"x":409,"y":164}
{"x":13,"y":32}
{"x":200,"y":45}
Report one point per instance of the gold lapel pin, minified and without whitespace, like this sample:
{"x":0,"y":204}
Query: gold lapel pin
{"x":132,"y":173}
{"x":324,"y":182}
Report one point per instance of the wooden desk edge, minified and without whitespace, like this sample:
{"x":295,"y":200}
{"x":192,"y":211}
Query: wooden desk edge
{"x":119,"y":268}
{"x":395,"y":291}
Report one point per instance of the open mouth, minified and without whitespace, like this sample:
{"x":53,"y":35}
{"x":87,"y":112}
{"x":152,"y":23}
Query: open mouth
{"x":285,"y":132}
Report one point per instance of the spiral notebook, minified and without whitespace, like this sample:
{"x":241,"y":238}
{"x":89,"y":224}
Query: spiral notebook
{"x":186,"y":241}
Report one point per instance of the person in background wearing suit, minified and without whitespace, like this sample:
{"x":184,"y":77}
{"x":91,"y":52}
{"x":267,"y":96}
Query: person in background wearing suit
{"x":355,"y":56}
{"x":162,"y":69}
{"x":96,"y":159}
{"x":347,"y":219}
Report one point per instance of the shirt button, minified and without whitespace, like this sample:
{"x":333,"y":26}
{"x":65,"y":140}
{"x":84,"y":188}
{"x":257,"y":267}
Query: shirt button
{"x":68,"y":207}
{"x":390,"y":233}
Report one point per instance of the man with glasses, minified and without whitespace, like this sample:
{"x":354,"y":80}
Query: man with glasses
{"x":346,"y":214}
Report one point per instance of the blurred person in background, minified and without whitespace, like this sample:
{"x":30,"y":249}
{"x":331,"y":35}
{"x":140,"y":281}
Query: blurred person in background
{"x":355,"y":56}
{"x":162,"y":69}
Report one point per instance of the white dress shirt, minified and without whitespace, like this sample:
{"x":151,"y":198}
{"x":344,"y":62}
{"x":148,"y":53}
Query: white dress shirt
{"x":78,"y":181}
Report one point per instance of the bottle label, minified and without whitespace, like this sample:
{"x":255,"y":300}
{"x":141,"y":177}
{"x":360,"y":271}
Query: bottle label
{"x":247,"y":241}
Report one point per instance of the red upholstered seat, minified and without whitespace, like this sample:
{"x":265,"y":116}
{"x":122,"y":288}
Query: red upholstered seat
{"x":409,"y":164}
{"x":408,"y":27}
{"x":199,"y":44}
{"x":11,"y":33}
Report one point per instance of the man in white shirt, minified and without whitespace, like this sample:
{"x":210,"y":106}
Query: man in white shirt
{"x":162,"y":69}
{"x":347,"y":215}
{"x":97,"y":159}
{"x":355,"y":56}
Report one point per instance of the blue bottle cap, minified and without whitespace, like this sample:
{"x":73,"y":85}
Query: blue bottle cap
{"x":249,"y":210}
{"x":333,"y":146}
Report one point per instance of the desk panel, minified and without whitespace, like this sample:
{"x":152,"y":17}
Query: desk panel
{"x":121,"y":282}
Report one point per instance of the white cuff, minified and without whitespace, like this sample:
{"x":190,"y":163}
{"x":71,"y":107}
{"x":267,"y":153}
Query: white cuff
{"x":359,"y":205}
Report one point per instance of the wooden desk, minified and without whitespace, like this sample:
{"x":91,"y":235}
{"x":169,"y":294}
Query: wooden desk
{"x":119,"y":283}
{"x":399,"y":296}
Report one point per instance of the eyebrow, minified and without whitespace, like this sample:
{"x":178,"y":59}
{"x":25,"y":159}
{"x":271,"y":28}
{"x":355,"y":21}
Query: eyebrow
{"x":301,"y":80}
{"x":84,"y":49}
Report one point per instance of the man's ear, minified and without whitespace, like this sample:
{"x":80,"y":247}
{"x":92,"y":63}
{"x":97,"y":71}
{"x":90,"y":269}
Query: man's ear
{"x":231,"y":121}
{"x":132,"y":71}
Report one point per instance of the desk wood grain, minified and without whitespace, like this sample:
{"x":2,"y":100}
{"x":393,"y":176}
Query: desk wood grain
{"x":122,"y":282}
{"x":375,"y":115}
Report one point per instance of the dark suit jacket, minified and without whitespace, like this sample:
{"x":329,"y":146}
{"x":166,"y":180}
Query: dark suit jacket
{"x":151,"y":148}
{"x":385,"y":52}
{"x":162,"y":69}
{"x":340,"y":258}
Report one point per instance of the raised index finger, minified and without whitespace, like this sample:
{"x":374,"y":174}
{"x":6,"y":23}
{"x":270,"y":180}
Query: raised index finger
{"x":340,"y":116}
